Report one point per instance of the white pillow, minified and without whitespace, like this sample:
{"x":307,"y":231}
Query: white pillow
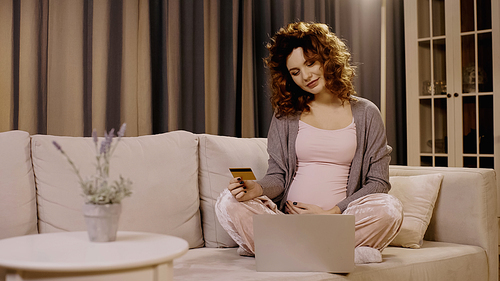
{"x":418,"y":195}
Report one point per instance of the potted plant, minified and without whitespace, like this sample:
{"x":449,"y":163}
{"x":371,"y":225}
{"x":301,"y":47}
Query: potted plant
{"x":103,"y":198}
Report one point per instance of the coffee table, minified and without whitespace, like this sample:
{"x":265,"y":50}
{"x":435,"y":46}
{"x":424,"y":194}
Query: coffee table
{"x":70,"y":256}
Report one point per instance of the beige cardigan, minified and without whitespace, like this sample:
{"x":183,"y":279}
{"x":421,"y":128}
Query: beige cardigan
{"x":369,"y":168}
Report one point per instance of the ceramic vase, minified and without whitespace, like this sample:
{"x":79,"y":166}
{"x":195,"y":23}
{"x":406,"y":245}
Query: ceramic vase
{"x":102,"y":221}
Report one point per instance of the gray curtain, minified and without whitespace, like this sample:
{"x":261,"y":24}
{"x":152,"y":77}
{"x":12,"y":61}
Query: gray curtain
{"x":208,"y":71}
{"x":163,"y":65}
{"x":358,"y":22}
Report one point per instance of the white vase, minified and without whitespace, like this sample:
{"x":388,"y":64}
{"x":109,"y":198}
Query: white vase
{"x":102,"y":221}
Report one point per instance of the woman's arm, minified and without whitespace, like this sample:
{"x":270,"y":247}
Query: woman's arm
{"x":375,"y":159}
{"x":273,"y":183}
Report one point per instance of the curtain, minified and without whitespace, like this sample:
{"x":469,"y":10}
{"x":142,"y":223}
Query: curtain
{"x":359,"y":22}
{"x":67,"y":67}
{"x":209,"y":72}
{"x":70,"y":66}
{"x":209,"y":75}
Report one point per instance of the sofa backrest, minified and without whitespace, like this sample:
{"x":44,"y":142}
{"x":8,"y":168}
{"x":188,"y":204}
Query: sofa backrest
{"x":163,"y":168}
{"x":17,"y":186}
{"x":464,"y":213}
{"x":217,"y":155}
{"x":465,"y":210}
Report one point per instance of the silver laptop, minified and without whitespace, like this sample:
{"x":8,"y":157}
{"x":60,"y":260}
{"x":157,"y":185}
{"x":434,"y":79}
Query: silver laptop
{"x":323,"y":243}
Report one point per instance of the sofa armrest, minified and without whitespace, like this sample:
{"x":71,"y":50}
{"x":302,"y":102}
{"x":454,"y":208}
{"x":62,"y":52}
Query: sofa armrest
{"x":18,"y":208}
{"x":465,"y":210}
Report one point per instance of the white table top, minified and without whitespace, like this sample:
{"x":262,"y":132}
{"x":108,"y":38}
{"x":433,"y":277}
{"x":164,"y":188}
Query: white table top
{"x":72,"y":251}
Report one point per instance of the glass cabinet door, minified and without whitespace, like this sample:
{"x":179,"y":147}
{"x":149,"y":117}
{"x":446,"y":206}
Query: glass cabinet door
{"x":452,"y":78}
{"x":433,"y":107}
{"x":477,"y":84}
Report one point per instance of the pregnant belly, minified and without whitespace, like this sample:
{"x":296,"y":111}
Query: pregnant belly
{"x":321,"y":185}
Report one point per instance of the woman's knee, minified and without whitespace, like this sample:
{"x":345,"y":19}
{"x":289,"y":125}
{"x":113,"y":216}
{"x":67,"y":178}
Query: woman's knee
{"x":392,"y":210}
{"x":384,"y":208}
{"x":225,"y":202}
{"x":228,"y":208}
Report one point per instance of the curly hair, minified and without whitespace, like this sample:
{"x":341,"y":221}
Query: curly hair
{"x":319,"y":44}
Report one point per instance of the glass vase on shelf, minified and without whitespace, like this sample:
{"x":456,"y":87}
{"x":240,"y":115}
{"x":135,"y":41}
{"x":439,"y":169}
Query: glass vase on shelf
{"x":426,"y":88}
{"x":440,"y":87}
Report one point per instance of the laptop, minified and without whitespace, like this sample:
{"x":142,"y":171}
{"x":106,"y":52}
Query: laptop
{"x":309,"y":243}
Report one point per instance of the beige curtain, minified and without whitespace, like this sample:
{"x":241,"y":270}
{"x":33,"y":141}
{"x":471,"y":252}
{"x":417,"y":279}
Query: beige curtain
{"x":6,"y":89}
{"x":67,"y":67}
{"x":212,"y":67}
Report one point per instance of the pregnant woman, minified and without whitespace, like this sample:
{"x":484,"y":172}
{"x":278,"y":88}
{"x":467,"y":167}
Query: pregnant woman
{"x":328,"y":151}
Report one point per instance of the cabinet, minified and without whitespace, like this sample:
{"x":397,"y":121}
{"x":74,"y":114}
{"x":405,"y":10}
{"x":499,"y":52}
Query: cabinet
{"x":451,"y":114}
{"x":453,"y":83}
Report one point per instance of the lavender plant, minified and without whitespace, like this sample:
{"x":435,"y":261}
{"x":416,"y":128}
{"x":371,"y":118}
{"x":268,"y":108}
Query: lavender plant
{"x":97,"y":189}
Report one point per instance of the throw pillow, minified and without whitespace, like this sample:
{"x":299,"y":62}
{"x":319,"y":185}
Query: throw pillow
{"x":418,"y":195}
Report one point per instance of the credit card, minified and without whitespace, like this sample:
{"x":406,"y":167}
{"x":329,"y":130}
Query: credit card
{"x":243,"y":173}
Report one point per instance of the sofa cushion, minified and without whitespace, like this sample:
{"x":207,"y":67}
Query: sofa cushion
{"x":217,"y":155}
{"x":418,"y":195}
{"x":163,"y":169}
{"x":434,"y":261}
{"x":17,"y":186}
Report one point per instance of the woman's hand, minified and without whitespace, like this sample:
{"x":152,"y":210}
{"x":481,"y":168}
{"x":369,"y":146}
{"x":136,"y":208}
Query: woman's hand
{"x":303,"y":208}
{"x":244,"y":190}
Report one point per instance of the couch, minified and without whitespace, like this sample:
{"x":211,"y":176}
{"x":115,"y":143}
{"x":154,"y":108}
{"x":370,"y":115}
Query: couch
{"x":177,"y":178}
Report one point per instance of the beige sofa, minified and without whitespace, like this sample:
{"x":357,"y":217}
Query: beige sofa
{"x":178,"y":176}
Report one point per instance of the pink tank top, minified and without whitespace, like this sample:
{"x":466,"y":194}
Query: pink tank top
{"x":323,"y":162}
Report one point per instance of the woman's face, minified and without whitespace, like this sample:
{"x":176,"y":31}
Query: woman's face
{"x":308,"y":75}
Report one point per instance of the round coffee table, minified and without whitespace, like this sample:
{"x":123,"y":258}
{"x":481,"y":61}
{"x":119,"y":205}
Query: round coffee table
{"x":71,"y":256}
